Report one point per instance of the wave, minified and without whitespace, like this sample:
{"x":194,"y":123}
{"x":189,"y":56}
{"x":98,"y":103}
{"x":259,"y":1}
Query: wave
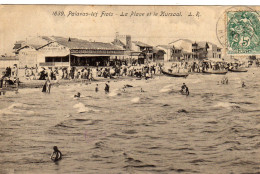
{"x":225,"y":105}
{"x":182,"y":111}
{"x":130,"y":132}
{"x":135,"y":100}
{"x":165,"y":90}
{"x":168,"y":86}
{"x":82,"y":108}
{"x":115,"y":92}
{"x":195,"y":81}
{"x":17,"y":109}
{"x":63,"y":125}
{"x":18,"y":105}
{"x":140,"y":166}
{"x":16,"y":112}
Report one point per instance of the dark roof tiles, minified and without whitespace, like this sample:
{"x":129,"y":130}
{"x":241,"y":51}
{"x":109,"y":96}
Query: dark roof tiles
{"x":141,"y":44}
{"x":75,"y":43}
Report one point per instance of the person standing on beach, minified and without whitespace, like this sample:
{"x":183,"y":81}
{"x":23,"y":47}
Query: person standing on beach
{"x":2,"y":76}
{"x":106,"y":88}
{"x":96,"y":89}
{"x":187,"y":91}
{"x":47,"y":86}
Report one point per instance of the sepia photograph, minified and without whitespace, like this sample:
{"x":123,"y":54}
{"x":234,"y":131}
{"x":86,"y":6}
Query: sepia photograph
{"x":129,"y":89}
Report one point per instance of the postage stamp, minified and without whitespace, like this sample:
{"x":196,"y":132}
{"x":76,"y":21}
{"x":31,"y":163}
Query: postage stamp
{"x":243,"y":32}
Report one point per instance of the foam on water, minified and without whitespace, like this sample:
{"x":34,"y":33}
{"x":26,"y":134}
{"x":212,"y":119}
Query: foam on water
{"x":18,"y":105}
{"x":115,"y":92}
{"x":135,"y":100}
{"x":17,"y":108}
{"x":81,"y":108}
{"x":79,"y":105}
{"x":225,"y":104}
{"x":165,"y":90}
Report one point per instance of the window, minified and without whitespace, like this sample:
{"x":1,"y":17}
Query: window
{"x":48,"y":59}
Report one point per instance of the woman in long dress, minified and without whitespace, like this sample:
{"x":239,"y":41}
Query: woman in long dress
{"x":47,"y":86}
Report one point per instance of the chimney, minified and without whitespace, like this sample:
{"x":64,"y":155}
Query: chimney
{"x":128,"y":43}
{"x":117,"y":35}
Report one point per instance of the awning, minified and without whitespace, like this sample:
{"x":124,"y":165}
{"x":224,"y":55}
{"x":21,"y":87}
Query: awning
{"x":213,"y":60}
{"x":156,"y":51}
{"x":90,"y":55}
{"x":56,"y":54}
{"x":135,"y":53}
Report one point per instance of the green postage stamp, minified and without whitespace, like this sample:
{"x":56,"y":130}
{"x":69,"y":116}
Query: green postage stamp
{"x":243,"y":32}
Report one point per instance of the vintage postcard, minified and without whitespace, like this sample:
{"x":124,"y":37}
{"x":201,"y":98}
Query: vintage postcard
{"x":129,"y":89}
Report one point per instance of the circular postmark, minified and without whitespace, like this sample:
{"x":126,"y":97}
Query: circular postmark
{"x":238,"y":30}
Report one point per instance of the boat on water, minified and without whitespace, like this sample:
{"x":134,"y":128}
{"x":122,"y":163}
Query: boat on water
{"x":175,"y":74}
{"x":237,"y":70}
{"x":215,"y":71}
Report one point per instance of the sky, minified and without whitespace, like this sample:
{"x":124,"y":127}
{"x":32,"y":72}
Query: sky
{"x":20,"y":22}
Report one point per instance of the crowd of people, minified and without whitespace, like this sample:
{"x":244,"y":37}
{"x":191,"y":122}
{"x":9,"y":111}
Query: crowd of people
{"x":9,"y":77}
{"x":70,"y":73}
{"x":198,"y":67}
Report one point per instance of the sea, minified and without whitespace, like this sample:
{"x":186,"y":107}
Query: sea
{"x":216,"y":129}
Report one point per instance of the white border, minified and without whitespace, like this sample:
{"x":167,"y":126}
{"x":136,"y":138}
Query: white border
{"x":135,"y":2}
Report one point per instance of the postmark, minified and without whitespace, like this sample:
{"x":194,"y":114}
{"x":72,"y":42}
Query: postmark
{"x":238,"y":30}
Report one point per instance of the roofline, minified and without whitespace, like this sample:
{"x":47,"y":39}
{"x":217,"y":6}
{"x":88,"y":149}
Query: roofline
{"x":136,"y":42}
{"x":44,"y":45}
{"x":181,"y":39}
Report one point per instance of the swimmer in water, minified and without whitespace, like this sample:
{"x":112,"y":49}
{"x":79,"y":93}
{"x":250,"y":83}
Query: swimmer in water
{"x":243,"y":84}
{"x":183,"y":87}
{"x":77,"y":95}
{"x":96,"y":89}
{"x":56,"y":155}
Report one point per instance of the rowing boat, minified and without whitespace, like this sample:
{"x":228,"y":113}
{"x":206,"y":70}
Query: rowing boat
{"x":175,"y":74}
{"x":215,"y":71}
